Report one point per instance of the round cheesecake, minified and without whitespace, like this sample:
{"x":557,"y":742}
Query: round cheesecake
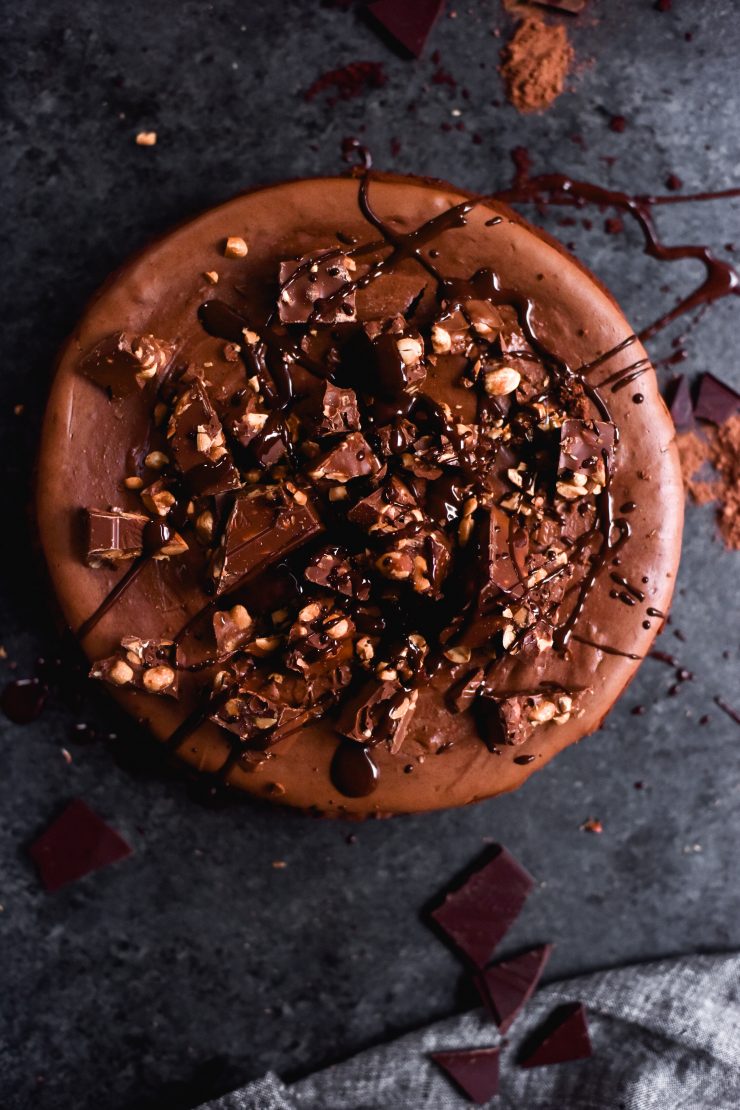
{"x":361,"y":494}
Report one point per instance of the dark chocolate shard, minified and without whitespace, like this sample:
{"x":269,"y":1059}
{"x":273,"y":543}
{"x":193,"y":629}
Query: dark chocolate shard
{"x":335,"y":570}
{"x":478,"y":914}
{"x":396,"y":366}
{"x":507,"y":987}
{"x":75,"y":844}
{"x":311,"y":289}
{"x":461,"y":695}
{"x":124,"y":363}
{"x":351,"y":458}
{"x":505,"y":546}
{"x":409,"y":24}
{"x":571,"y":7}
{"x":715,"y":400}
{"x":232,"y":629}
{"x":332,"y":411}
{"x":263,"y":526}
{"x":680,"y":406}
{"x":586,"y":449}
{"x":197,"y":442}
{"x":474,"y":1070}
{"x":388,"y":509}
{"x":380,"y":713}
{"x":113,"y":537}
{"x":563,"y":1038}
{"x":140,"y":665}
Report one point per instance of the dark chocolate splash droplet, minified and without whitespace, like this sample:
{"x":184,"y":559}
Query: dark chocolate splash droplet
{"x":23,"y":700}
{"x":353,"y":771}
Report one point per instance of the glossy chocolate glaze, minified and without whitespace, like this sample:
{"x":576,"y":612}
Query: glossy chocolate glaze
{"x":470,"y":248}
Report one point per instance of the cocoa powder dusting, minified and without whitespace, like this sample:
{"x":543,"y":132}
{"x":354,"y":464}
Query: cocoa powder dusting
{"x":535,"y":63}
{"x":721,"y":449}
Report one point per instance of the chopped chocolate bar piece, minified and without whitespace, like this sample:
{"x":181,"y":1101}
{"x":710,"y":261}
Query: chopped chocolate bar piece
{"x":680,"y":406}
{"x":263,"y":526}
{"x":586,"y":449}
{"x":123,"y":363}
{"x":422,"y":559}
{"x":511,"y":720}
{"x":75,"y":844}
{"x":140,"y":665}
{"x":479,"y":914}
{"x":474,"y":1070}
{"x":232,"y":629}
{"x":409,"y":24}
{"x":311,"y":289}
{"x":351,"y":458}
{"x":380,"y":713}
{"x":113,"y":537}
{"x":196,"y":440}
{"x":507,"y":987}
{"x":320,"y":640}
{"x":461,"y":695}
{"x":332,"y":411}
{"x":258,"y":712}
{"x":397,"y":363}
{"x":388,"y":509}
{"x":248,"y":422}
{"x":715,"y":401}
{"x":335,"y":570}
{"x":505,"y":547}
{"x":395,"y":438}
{"x":563,"y":1038}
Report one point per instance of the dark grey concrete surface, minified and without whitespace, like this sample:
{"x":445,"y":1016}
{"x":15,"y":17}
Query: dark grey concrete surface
{"x":196,"y":964}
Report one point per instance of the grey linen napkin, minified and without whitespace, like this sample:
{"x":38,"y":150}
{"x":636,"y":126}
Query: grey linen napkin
{"x":666,"y":1036}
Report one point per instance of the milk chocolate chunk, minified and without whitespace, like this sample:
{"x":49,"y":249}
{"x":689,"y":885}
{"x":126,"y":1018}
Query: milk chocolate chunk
{"x":474,"y":1070}
{"x":140,"y":665}
{"x":512,"y":719}
{"x":77,"y":843}
{"x":113,"y":537}
{"x":505,"y":546}
{"x":317,"y":288}
{"x":264,"y":525}
{"x":395,"y":438}
{"x":380,"y":713}
{"x":123,"y":363}
{"x":232,"y":629}
{"x":197,"y":443}
{"x":320,"y":639}
{"x":351,"y":458}
{"x":462,"y":693}
{"x":388,"y":509}
{"x":248,"y":422}
{"x":335,"y":570}
{"x":563,"y":1038}
{"x":422,"y":559}
{"x":586,"y":450}
{"x":257,"y":712}
{"x":333,"y":411}
{"x":478,"y":914}
{"x":506,"y":987}
{"x":397,"y":358}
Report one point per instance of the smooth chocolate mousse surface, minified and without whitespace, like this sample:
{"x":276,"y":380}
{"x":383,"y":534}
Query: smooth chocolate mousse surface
{"x":360,"y":492}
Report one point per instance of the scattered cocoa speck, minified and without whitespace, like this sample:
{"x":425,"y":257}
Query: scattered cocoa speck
{"x":618,"y":124}
{"x":279,"y":864}
{"x":347,"y":82}
{"x":351,"y":839}
{"x":441,"y":76}
{"x":614,"y":225}
{"x":663,"y":5}
{"x":3,"y":652}
{"x":146,"y":138}
{"x":535,"y":64}
{"x":522,"y":160}
{"x":638,"y":710}
{"x":639,"y":785}
{"x":66,"y":755}
{"x":18,"y":410}
{"x":395,"y":147}
{"x":673,"y":182}
{"x":592,"y":825}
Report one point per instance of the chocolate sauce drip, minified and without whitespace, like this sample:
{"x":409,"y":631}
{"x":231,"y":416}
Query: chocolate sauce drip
{"x":606,"y":648}
{"x":353,"y":771}
{"x":638,"y":595}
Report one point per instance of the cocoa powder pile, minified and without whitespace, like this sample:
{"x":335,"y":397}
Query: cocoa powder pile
{"x":535,"y":64}
{"x":720,"y":449}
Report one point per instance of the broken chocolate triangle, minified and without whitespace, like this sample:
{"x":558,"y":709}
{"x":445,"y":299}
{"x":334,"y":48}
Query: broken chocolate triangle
{"x":477,"y":915}
{"x":563,"y":1037}
{"x":408,"y":24}
{"x":475,"y":1071}
{"x":75,"y":844}
{"x":508,"y":986}
{"x":678,"y":397}
{"x":715,"y":401}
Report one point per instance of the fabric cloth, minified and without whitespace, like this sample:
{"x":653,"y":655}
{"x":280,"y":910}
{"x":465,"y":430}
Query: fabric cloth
{"x":666,"y":1036}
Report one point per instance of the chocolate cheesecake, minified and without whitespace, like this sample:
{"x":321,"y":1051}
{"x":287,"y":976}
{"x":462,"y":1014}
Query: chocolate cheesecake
{"x":361,"y":494}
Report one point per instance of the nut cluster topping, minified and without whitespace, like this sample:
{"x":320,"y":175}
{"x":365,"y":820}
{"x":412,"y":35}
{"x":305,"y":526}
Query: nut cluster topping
{"x":368,"y":505}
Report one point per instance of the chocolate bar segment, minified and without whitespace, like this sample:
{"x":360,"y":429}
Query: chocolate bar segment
{"x":258,"y":712}
{"x":113,"y":537}
{"x":197,"y":442}
{"x":140,"y":665}
{"x":264,"y":525}
{"x":332,"y":411}
{"x":123,"y":363}
{"x":317,"y":288}
{"x":338,"y":571}
{"x":351,"y":458}
{"x":586,"y":450}
{"x":380,"y":713}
